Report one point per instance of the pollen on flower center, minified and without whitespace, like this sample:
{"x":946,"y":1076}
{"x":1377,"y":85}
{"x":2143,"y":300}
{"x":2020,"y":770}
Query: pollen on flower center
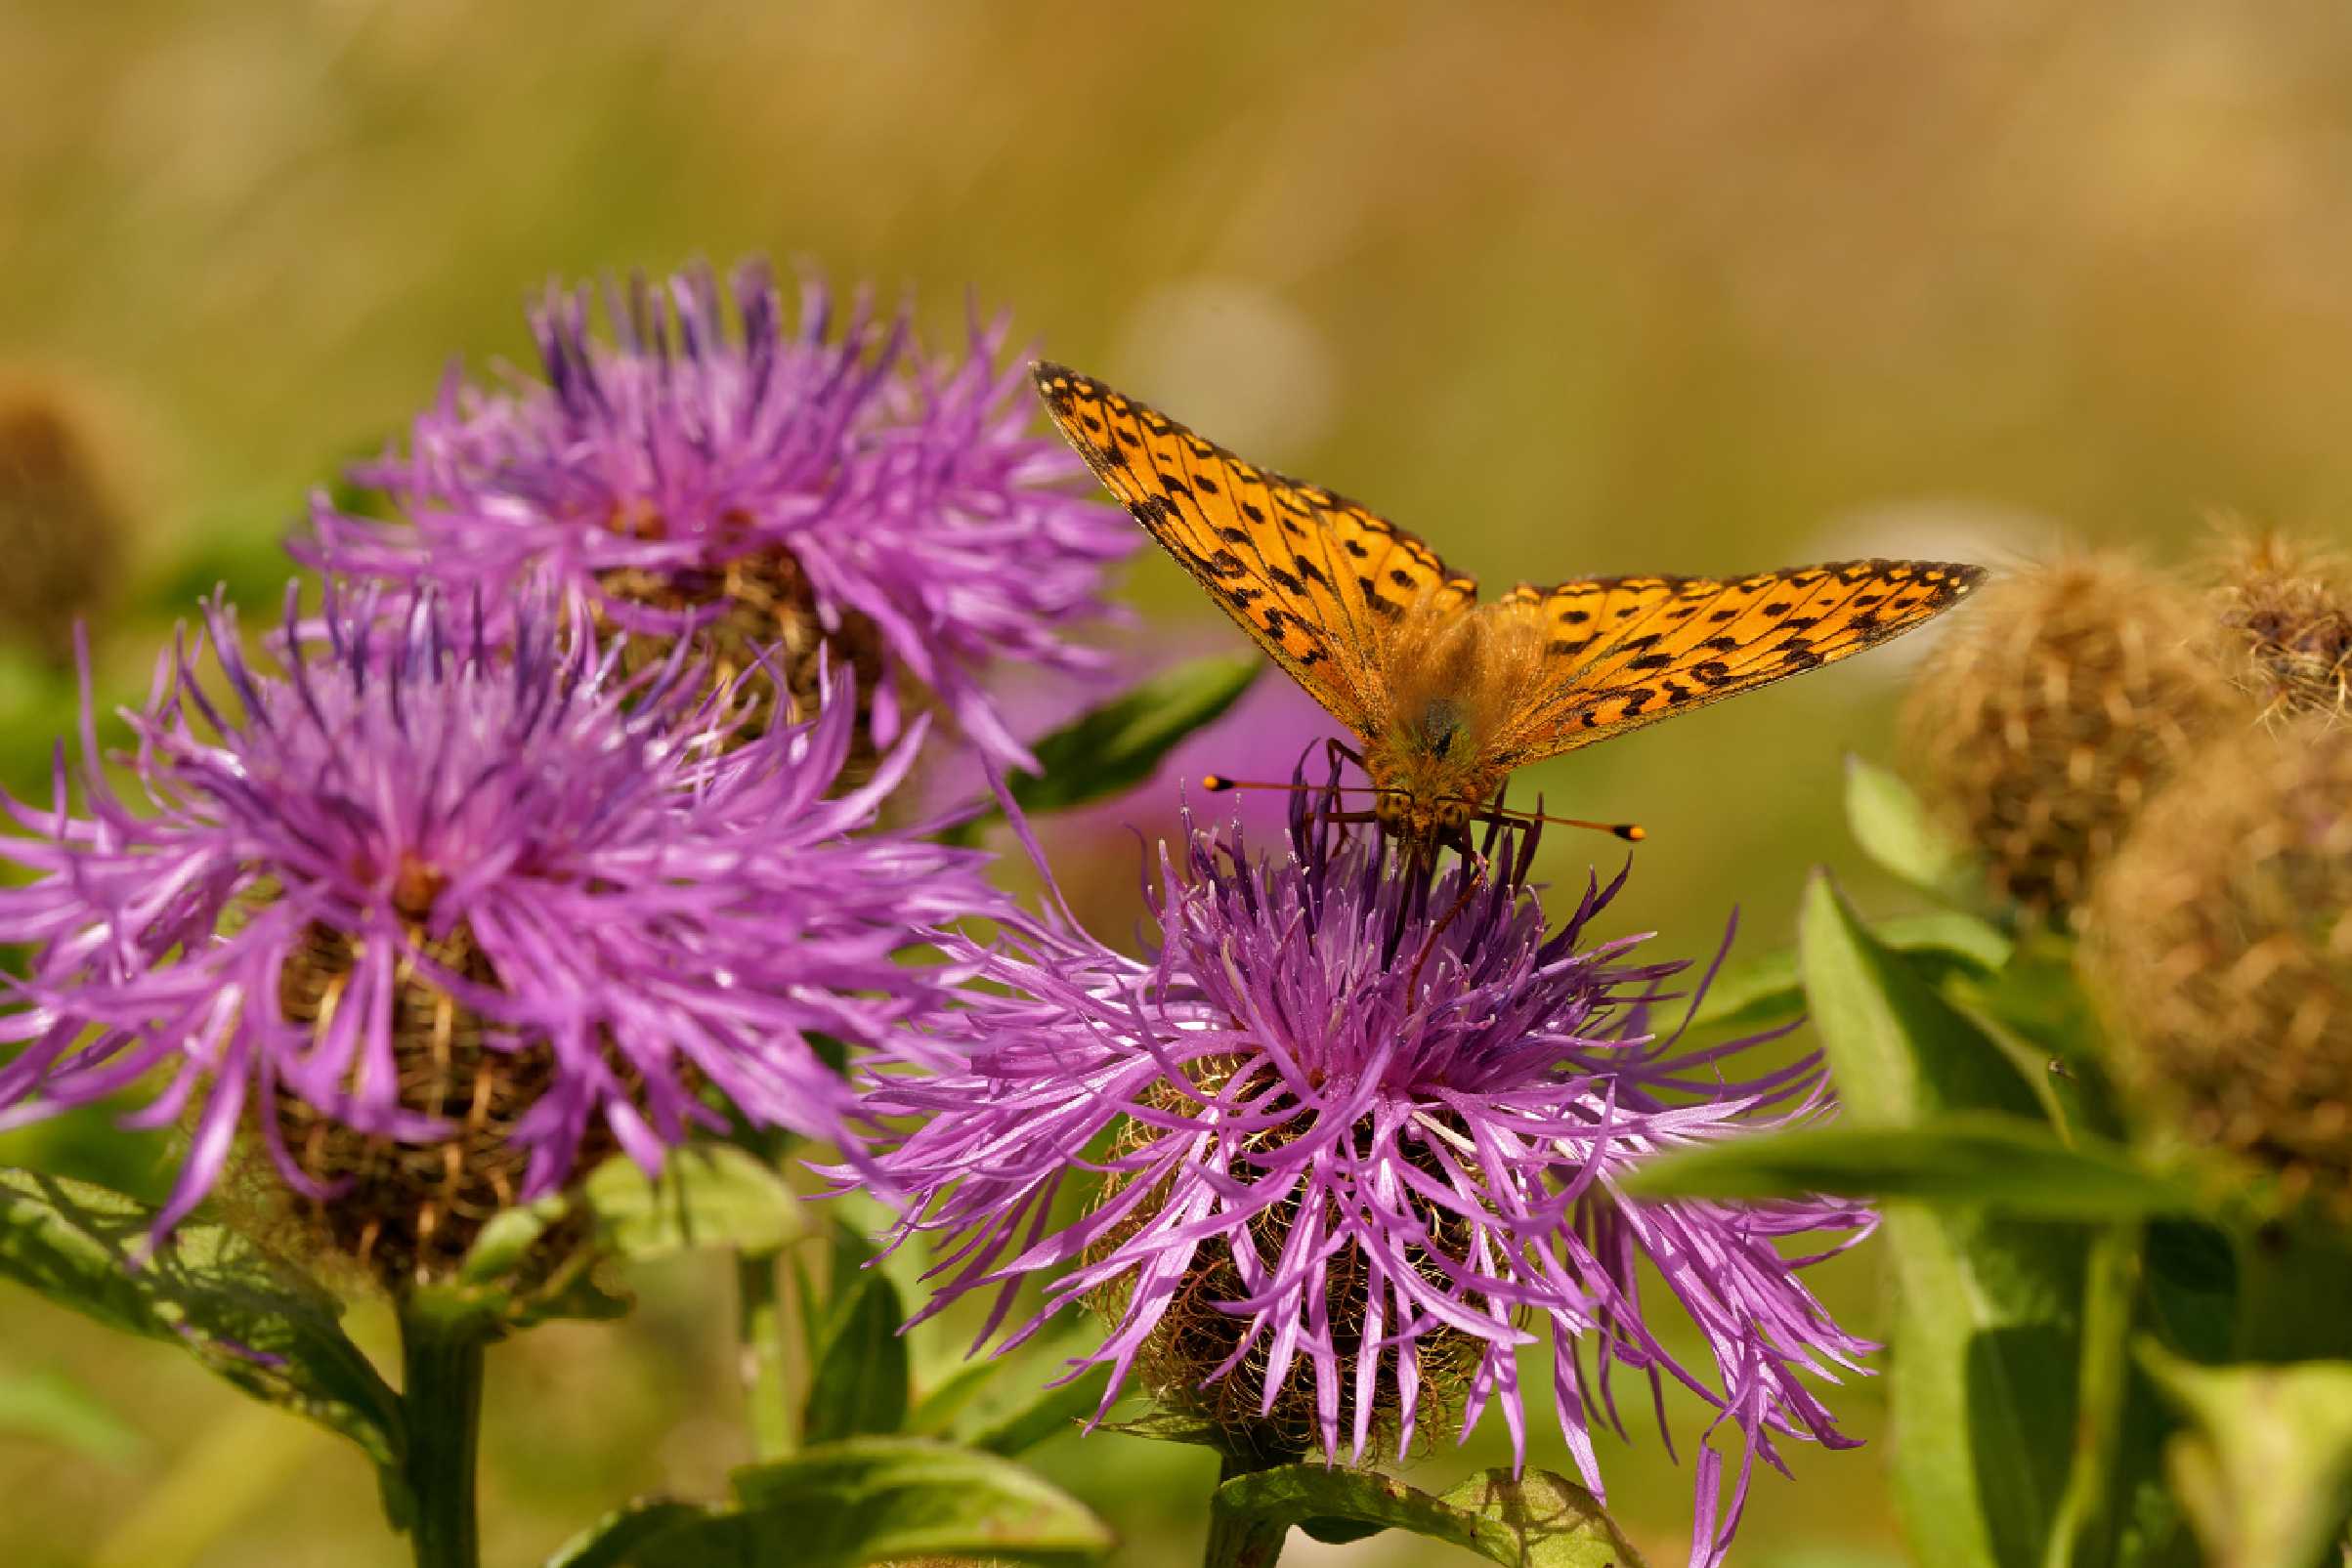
{"x":1203,"y":1358}
{"x":758,"y":606}
{"x":409,"y":1209}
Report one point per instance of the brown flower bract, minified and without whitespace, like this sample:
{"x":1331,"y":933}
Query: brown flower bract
{"x":2221,"y":940}
{"x":2055,"y":712}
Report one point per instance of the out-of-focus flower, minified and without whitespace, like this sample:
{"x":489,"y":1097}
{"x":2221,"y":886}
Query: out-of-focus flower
{"x":754,"y":485}
{"x":2043,"y":724}
{"x":1353,"y":1135}
{"x":440,"y":921}
{"x":2288,"y":606}
{"x":61,"y":527}
{"x":2222,"y":940}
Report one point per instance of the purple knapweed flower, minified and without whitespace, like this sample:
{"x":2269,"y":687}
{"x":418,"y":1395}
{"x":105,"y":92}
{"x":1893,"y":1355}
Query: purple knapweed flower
{"x":1352,"y":1136}
{"x":765,"y":486}
{"x":438,"y":920}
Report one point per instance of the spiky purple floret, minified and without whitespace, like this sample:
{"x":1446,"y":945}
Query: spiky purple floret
{"x":656,"y":892}
{"x":1410,"y":1065}
{"x":909,"y":487}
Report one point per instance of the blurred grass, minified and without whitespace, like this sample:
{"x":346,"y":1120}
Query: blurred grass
{"x":1669,"y":288}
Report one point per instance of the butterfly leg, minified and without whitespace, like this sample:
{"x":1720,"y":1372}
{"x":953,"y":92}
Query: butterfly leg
{"x":1473,"y":877}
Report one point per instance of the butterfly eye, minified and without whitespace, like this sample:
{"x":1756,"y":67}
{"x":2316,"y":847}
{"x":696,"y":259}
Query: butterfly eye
{"x":1453,"y":815}
{"x":1393,"y":807}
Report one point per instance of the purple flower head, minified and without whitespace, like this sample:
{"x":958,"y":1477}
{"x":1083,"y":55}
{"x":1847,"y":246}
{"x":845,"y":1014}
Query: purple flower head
{"x":760,"y":485}
{"x":1355,"y":1137}
{"x":441,"y":919}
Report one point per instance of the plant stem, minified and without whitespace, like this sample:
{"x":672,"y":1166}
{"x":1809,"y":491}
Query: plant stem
{"x":2084,"y":1532}
{"x":1238,"y":1540}
{"x":765,"y":1361}
{"x":441,"y":1342}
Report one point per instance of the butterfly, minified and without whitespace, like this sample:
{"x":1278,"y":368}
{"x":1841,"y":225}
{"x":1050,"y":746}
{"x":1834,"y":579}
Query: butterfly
{"x":1446,"y":694}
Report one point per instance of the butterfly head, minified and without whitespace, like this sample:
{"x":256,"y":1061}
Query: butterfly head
{"x":1424,"y":797}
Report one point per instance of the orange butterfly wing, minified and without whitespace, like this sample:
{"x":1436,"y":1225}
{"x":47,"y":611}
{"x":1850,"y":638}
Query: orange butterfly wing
{"x":1321,"y":584}
{"x":1618,"y":652}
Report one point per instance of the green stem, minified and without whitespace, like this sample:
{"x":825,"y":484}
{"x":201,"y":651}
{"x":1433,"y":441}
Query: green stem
{"x":441,"y":1387}
{"x":1238,"y":1540}
{"x":2083,"y":1534}
{"x":765,"y":1361}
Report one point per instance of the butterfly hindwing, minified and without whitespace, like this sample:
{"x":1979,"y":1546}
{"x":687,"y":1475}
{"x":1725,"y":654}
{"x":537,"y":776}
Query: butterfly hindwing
{"x":1320,"y":582}
{"x":1623,"y":652}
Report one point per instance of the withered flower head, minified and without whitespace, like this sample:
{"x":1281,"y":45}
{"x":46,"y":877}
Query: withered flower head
{"x":2222,"y":941}
{"x":2287,"y":607}
{"x":2047,"y":720}
{"x":62,"y":529}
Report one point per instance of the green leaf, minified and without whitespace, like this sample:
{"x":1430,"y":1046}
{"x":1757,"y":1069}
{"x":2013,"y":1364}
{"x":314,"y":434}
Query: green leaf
{"x":1046,"y":1413}
{"x":1110,"y":750}
{"x":2265,"y":1465}
{"x":1171,"y":1426}
{"x":707,"y":1195}
{"x":1766,"y":989}
{"x":1537,"y":1521}
{"x":2037,"y":1011}
{"x":1897,"y":1050}
{"x":2008,"y":1164}
{"x":245,"y":1314}
{"x":2091,"y":1512}
{"x":877,"y":1500}
{"x":1982,"y":1375}
{"x":1896,"y":831}
{"x":859,"y":1382}
{"x":50,"y":1408}
{"x":611,"y":1540}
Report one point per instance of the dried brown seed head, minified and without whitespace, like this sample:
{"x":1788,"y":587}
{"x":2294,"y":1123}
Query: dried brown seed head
{"x":2221,"y":942}
{"x":2053,"y":713}
{"x":2286,"y":610}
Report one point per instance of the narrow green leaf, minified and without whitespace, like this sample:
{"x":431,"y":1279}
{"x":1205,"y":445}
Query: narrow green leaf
{"x":1116,"y":747}
{"x":51,"y":1408}
{"x":1171,"y":1426}
{"x":2265,"y":1465}
{"x":610,"y":1542}
{"x":245,"y":1314}
{"x":1895,"y":828}
{"x":1046,"y":1413}
{"x":707,"y":1195}
{"x":2090,"y":1512}
{"x":1897,"y":1050}
{"x":1766,"y":989}
{"x":1537,"y":1521}
{"x":879,"y":1500}
{"x":2007,"y":1165}
{"x":858,"y":1386}
{"x":1982,"y":1374}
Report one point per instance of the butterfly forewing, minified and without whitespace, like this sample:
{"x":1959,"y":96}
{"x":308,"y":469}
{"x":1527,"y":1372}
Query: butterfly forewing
{"x":1622,"y":651}
{"x":1371,"y":621}
{"x":1320,"y":582}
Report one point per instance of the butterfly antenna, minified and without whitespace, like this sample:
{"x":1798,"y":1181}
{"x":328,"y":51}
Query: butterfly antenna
{"x":1218,"y":784}
{"x":1631,"y":832}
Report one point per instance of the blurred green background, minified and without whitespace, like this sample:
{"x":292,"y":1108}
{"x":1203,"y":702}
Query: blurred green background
{"x":1676,"y":286}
